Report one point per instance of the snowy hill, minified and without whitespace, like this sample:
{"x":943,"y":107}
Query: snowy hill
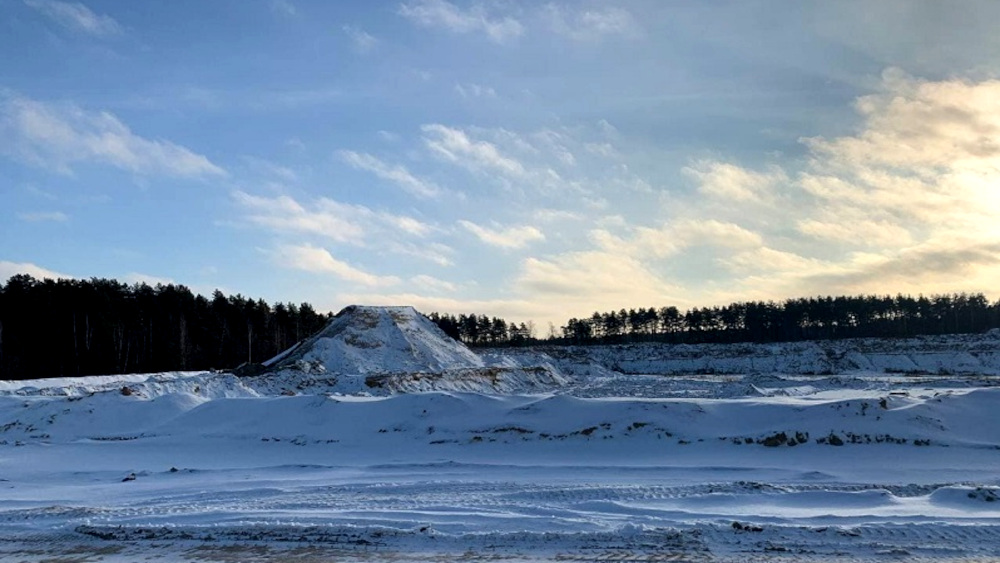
{"x":362,"y":340}
{"x":384,"y":350}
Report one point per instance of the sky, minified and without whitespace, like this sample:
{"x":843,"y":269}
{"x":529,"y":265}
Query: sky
{"x":530,"y":160}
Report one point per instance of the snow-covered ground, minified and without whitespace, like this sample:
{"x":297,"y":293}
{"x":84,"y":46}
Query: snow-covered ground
{"x":589,"y":465}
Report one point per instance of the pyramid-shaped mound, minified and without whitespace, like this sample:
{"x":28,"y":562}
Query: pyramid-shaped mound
{"x":364,"y":340}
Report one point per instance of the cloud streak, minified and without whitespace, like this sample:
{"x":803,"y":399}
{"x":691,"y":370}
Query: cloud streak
{"x":396,"y":174}
{"x":361,"y":41}
{"x":318,"y":260}
{"x":58,"y":136}
{"x":76,"y":17}
{"x":41,"y":216}
{"x":509,"y":237}
{"x":590,"y":25}
{"x":445,"y":15}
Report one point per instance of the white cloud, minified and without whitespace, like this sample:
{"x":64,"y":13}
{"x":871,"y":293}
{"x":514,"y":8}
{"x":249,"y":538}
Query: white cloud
{"x":266,"y":167}
{"x":325,"y":217}
{"x":9,"y":269}
{"x":540,"y":163}
{"x":435,"y":252}
{"x":547,"y":215}
{"x":480,"y":156}
{"x":284,"y":8}
{"x":432,"y":284}
{"x":577,"y":283}
{"x":388,"y":136}
{"x":37,"y":216}
{"x":445,"y":15}
{"x":60,"y":135}
{"x":319,"y":260}
{"x":471,"y":90}
{"x":675,"y":237}
{"x":510,"y":237}
{"x":735,"y":183}
{"x":362,"y":41}
{"x":397,"y":174}
{"x":77,"y":17}
{"x":590,"y":25}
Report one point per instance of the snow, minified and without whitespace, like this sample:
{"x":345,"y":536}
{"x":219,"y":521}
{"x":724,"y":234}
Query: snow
{"x":519,"y":455}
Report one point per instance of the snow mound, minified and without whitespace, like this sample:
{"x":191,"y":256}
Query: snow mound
{"x":363,"y":340}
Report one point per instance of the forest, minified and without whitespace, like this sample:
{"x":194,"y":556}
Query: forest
{"x":71,"y":327}
{"x":809,"y":318}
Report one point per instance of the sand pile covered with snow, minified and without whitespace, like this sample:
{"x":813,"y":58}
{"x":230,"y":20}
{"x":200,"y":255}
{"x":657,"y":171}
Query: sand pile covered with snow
{"x":383,"y":350}
{"x":362,"y":340}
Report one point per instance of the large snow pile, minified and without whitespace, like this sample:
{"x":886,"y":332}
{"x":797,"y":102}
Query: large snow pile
{"x":384,"y":350}
{"x":362,"y":340}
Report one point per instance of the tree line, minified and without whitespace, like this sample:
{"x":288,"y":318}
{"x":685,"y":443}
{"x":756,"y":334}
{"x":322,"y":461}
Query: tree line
{"x":480,"y":330}
{"x":792,"y":320}
{"x":69,"y":327}
{"x":52,"y":328}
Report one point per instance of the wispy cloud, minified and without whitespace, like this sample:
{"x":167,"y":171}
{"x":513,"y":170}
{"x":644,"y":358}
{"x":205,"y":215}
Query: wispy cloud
{"x":590,"y":24}
{"x":432,"y":284}
{"x":77,"y":17}
{"x":38,"y":216}
{"x":470,"y":91}
{"x":735,"y":183}
{"x":361,"y":41}
{"x":319,"y":260}
{"x":577,"y":283}
{"x":504,"y":237}
{"x":456,"y":146}
{"x":284,"y":8}
{"x":329,"y":219}
{"x":434,"y":252}
{"x":445,"y":15}
{"x":60,"y":135}
{"x":324,"y":217}
{"x":396,"y":174}
{"x":270,"y":169}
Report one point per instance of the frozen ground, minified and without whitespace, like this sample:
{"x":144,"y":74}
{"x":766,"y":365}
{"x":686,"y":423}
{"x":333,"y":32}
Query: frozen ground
{"x":859,"y":466}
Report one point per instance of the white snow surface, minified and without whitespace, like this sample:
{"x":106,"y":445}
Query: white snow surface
{"x":581,"y":463}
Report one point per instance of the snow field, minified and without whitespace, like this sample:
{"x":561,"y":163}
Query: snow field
{"x":379,"y":439}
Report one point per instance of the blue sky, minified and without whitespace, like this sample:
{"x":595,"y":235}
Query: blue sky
{"x":525,"y":159}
